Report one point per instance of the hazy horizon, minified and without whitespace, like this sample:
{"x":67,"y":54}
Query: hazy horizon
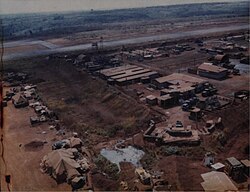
{"x":34,"y":6}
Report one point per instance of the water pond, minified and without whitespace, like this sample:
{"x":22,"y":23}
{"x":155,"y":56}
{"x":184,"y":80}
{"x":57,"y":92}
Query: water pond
{"x":128,"y":154}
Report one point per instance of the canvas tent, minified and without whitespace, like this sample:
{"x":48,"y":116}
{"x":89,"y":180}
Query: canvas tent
{"x":75,"y":142}
{"x":61,"y":164}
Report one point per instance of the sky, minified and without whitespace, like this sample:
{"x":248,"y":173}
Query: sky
{"x":36,"y":6}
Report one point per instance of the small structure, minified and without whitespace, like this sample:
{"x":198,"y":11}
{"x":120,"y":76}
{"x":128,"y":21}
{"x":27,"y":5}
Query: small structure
{"x":246,"y":164}
{"x":210,"y":125}
{"x":201,"y":103}
{"x":219,"y":123}
{"x":242,"y":94}
{"x":151,"y":100}
{"x":208,"y":159}
{"x":218,"y":59}
{"x":195,"y":114}
{"x":124,"y":185}
{"x":217,"y":181}
{"x":218,"y":167}
{"x":179,"y":131}
{"x":75,"y":142}
{"x":80,"y":59}
{"x":145,"y":80}
{"x":176,"y":79}
{"x":184,"y":91}
{"x":144,"y":177}
{"x":234,"y":168}
{"x":177,"y":135}
{"x":111,"y":81}
{"x":192,"y":70}
{"x":78,"y":182}
{"x":20,"y":102}
{"x":211,"y":71}
{"x":166,"y":101}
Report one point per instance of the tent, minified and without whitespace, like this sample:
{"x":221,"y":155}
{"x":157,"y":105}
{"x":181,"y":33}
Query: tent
{"x":75,"y":142}
{"x":61,"y":164}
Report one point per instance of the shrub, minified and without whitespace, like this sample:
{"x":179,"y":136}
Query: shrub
{"x":171,"y":150}
{"x":111,"y":169}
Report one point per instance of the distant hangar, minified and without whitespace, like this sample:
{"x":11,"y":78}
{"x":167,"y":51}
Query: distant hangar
{"x":128,"y":74}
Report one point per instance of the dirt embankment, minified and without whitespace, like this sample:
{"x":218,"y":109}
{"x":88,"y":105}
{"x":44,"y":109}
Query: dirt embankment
{"x":87,"y":104}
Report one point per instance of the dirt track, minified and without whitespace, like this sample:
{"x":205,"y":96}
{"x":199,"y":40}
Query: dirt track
{"x":22,"y":163}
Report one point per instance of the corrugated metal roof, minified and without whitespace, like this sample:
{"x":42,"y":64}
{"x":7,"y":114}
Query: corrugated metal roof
{"x":217,"y":166}
{"x":137,"y":76}
{"x":114,"y":70}
{"x":217,"y":181}
{"x":179,"y":76}
{"x":151,"y":97}
{"x":246,"y":162}
{"x":220,"y":57}
{"x":233,"y":161}
{"x":165,"y":97}
{"x":131,"y":72}
{"x":211,"y":68}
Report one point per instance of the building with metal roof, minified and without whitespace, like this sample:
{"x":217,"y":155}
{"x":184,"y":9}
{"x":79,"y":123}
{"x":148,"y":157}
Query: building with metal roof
{"x":127,"y":74}
{"x":217,"y":181}
{"x":221,"y":59}
{"x":218,"y":167}
{"x":176,"y":79}
{"x":234,"y":168}
{"x":136,"y":78}
{"x":212,"y":71}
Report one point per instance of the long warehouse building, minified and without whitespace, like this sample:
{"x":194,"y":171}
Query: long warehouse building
{"x":128,"y":74}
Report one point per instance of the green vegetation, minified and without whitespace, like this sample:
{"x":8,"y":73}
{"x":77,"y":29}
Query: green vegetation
{"x":107,"y":167}
{"x":169,"y":150}
{"x":129,"y":124}
{"x":111,"y":132}
{"x":193,"y":152}
{"x":148,"y":159}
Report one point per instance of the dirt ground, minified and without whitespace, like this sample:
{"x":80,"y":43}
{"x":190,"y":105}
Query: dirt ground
{"x":20,"y":49}
{"x":88,"y":105}
{"x":21,"y":159}
{"x":84,"y":104}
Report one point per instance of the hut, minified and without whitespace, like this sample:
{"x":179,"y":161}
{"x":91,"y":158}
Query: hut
{"x":234,"y":168}
{"x":219,"y":59}
{"x":211,"y":71}
{"x":151,"y":100}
